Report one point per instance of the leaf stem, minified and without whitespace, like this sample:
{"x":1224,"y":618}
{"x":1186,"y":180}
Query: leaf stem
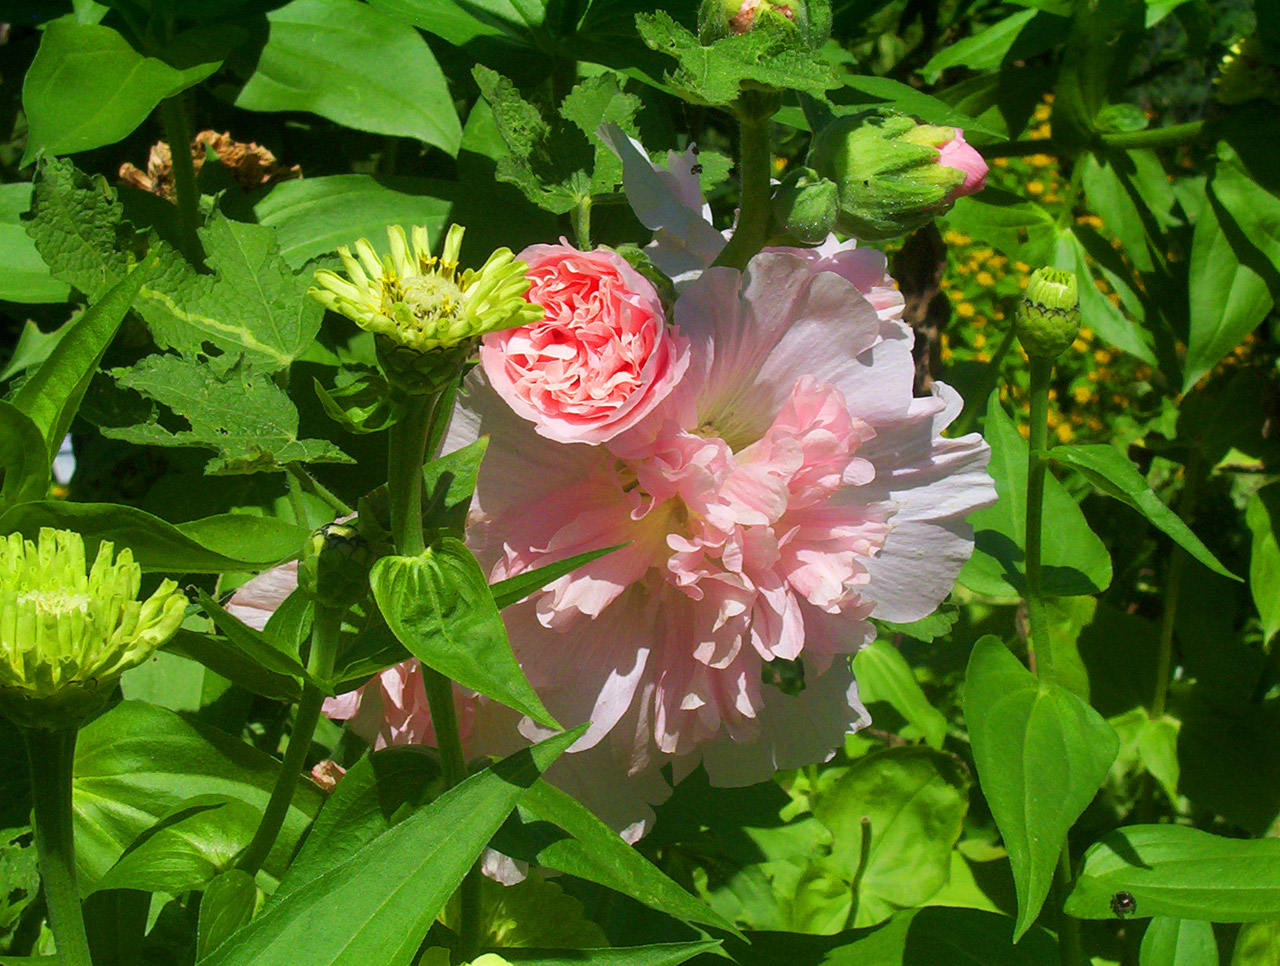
{"x":1038,"y":644}
{"x":407,"y":451}
{"x":51,"y":756}
{"x":177,"y":132}
{"x":324,"y":645}
{"x":582,"y":224}
{"x":864,"y":856}
{"x":755,"y":165}
{"x":1159,"y":137}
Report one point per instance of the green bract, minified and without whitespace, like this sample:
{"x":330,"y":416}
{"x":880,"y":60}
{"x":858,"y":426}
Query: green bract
{"x":419,"y":303}
{"x":68,"y":632}
{"x":885,"y":167}
{"x":1048,"y":316}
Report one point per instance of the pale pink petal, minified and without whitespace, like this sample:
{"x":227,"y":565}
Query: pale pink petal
{"x":256,"y":600}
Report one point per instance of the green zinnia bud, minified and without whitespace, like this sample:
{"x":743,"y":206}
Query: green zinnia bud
{"x":425,"y":313}
{"x":888,"y":170}
{"x":334,"y":568}
{"x":808,"y":205}
{"x":803,"y":23}
{"x":67,"y":631}
{"x":1048,"y":317}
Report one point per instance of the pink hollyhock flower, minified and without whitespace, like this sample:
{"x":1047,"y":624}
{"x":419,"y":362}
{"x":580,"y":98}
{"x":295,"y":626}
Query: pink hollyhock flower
{"x":789,"y":488}
{"x":961,"y":156}
{"x":601,"y":359}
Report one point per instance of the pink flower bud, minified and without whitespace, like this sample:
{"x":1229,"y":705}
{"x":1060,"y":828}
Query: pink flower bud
{"x":961,"y":156}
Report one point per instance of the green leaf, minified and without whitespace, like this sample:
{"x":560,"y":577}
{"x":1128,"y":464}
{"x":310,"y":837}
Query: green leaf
{"x":24,"y":457}
{"x":1255,"y":210}
{"x":1070,"y":254}
{"x":376,"y":906}
{"x":1262,"y":514}
{"x":515,"y":23}
{"x":911,"y":802}
{"x":1228,"y":298}
{"x":1075,"y":563}
{"x":78,"y":227}
{"x":211,"y":545}
{"x":362,"y":406}
{"x":595,"y":852}
{"x":261,"y":647}
{"x":24,"y":276}
{"x":1067,"y":618}
{"x":33,"y":347}
{"x":313,"y":216}
{"x":187,"y":849}
{"x":224,"y":658}
{"x":242,"y":415}
{"x":351,"y":64}
{"x":138,"y":763}
{"x":658,"y":954}
{"x":714,"y":74}
{"x":228,"y":903}
{"x":1111,"y":472}
{"x":253,"y":305}
{"x":87,"y":87}
{"x":448,"y":483}
{"x":862,"y":91}
{"x":1020,"y":228}
{"x":1257,"y":944}
{"x":517,"y":588}
{"x":439,"y":607}
{"x":936,"y":625}
{"x":884,"y":675}
{"x":982,"y":51}
{"x":1154,"y":743}
{"x":1041,"y":755}
{"x":376,"y":792}
{"x":558,"y":163}
{"x":1178,"y":942}
{"x":52,"y":394}
{"x":1176,"y":870}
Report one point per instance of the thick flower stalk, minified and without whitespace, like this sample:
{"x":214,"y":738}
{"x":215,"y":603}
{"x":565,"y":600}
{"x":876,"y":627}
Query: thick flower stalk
{"x":420,"y":306}
{"x":68,"y":631}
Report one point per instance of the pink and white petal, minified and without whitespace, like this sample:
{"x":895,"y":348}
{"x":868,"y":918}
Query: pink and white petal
{"x":667,"y":201}
{"x":794,"y":731}
{"x":256,"y":600}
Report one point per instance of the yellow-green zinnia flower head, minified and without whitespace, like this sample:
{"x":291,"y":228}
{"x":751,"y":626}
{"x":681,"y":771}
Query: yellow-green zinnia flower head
{"x":68,"y":631}
{"x":421,"y":301}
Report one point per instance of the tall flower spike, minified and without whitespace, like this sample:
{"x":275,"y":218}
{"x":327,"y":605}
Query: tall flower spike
{"x":418,"y":303}
{"x":68,"y":632}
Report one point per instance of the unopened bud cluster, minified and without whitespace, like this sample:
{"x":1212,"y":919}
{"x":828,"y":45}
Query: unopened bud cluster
{"x":805,"y":24}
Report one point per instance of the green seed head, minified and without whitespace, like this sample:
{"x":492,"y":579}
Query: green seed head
{"x":68,"y":631}
{"x":1048,"y":318}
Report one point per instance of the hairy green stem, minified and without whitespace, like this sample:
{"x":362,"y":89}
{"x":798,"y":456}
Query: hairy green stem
{"x":324,"y":646}
{"x":1159,"y":137}
{"x":177,"y":131}
{"x":407,"y":451}
{"x":755,"y":165}
{"x":314,"y":486}
{"x":1038,"y":637}
{"x":411,"y":439}
{"x":582,"y":224}
{"x":1038,"y":644}
{"x":51,"y":758}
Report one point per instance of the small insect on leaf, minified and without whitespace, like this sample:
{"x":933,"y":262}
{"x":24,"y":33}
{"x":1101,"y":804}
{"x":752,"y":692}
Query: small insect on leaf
{"x":1123,"y":904}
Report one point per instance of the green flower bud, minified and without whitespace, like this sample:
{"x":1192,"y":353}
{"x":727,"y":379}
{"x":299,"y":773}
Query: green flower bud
{"x":1048,"y":317}
{"x":1247,"y":72}
{"x":890,"y":172}
{"x":418,"y":303}
{"x":802,"y":23}
{"x":334,"y":568}
{"x":68,"y":631}
{"x":807,"y":204}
